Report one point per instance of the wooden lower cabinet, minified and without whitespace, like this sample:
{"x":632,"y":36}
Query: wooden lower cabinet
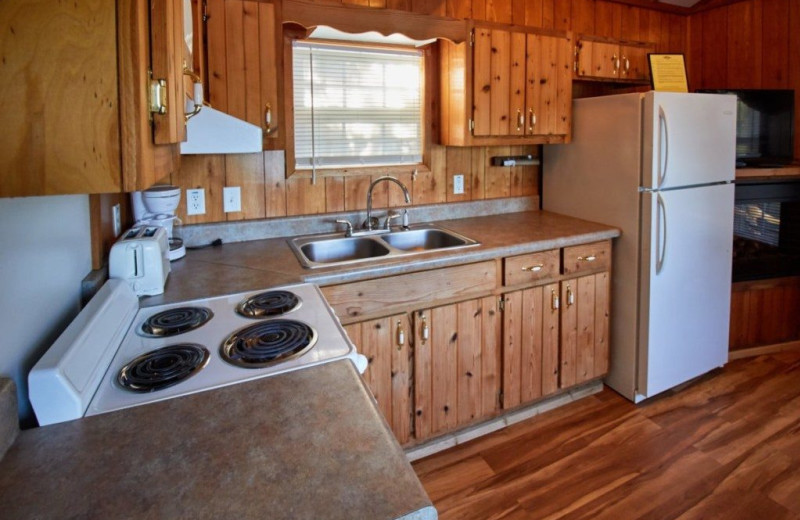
{"x":457,"y":365}
{"x":386,"y":344}
{"x":433,"y":370}
{"x":584,"y":329}
{"x":530,"y":344}
{"x":555,"y":336}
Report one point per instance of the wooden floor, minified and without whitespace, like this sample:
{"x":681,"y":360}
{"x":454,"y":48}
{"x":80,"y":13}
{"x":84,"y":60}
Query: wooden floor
{"x":726,"y":446}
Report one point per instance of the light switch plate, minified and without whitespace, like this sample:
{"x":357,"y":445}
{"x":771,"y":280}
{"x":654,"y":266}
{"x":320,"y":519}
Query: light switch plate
{"x":195,"y":202}
{"x":232,"y":199}
{"x":458,"y":184}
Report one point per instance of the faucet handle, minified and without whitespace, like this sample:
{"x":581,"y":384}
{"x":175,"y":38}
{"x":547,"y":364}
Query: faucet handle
{"x":349,"y":231}
{"x":389,"y":217}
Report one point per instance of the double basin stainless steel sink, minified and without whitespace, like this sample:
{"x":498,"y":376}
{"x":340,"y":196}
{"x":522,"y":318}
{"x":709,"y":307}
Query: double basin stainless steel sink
{"x":334,"y":249}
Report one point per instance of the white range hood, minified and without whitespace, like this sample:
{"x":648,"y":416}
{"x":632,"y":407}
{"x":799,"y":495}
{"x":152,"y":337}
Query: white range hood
{"x":212,"y":131}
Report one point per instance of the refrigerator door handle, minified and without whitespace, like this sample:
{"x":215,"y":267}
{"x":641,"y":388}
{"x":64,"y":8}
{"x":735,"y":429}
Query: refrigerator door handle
{"x":661,"y":230}
{"x":663,"y":145}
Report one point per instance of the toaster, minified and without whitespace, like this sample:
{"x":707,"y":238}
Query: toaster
{"x":141,"y":258}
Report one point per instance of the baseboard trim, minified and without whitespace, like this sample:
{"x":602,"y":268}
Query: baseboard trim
{"x":498,"y":423}
{"x":765,"y":349}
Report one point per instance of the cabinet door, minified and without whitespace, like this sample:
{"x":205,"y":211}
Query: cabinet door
{"x":530,"y":348}
{"x":456,"y":362}
{"x":243,"y":61}
{"x":584,"y":328}
{"x":386,"y":344}
{"x":519,"y":84}
{"x":491,"y":82}
{"x":598,"y":59}
{"x":633,"y":62}
{"x":167,"y":61}
{"x":549,"y":85}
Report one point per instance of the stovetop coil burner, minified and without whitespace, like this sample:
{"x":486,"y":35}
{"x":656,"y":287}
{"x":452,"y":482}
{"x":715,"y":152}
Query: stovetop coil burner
{"x":175,"y":321}
{"x":267,"y":304}
{"x":163,"y":367}
{"x":268,"y":343}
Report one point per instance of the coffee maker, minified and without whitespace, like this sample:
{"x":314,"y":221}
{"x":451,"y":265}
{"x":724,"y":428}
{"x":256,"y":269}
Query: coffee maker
{"x":156,"y":207}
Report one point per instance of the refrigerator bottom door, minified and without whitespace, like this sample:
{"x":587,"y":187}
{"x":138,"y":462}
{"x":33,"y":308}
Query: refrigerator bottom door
{"x":685,"y":282}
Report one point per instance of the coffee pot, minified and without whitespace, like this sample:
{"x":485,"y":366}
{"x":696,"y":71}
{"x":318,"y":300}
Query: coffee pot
{"x":156,"y":206}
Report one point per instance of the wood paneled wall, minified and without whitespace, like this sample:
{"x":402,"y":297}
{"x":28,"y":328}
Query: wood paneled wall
{"x":748,"y":44}
{"x":266,"y":193}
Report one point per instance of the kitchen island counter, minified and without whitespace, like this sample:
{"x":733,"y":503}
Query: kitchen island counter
{"x":258,"y":264}
{"x":304,"y":444}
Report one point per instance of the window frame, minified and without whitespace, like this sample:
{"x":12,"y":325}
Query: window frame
{"x":430,"y":85}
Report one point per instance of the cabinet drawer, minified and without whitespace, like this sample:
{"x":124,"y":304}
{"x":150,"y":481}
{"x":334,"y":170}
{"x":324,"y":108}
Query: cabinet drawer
{"x":587,"y":257}
{"x":392,"y":294}
{"x":531,"y":267}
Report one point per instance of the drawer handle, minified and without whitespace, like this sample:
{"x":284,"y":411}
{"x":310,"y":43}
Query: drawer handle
{"x":401,"y":335}
{"x":425,"y":332}
{"x":590,"y":258}
{"x":533,"y":268}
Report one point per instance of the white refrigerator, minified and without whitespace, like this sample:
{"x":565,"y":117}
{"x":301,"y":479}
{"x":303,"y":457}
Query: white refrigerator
{"x":660,"y":167}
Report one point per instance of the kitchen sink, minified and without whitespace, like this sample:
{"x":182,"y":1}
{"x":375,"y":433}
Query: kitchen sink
{"x":334,"y":249}
{"x":425,"y":239}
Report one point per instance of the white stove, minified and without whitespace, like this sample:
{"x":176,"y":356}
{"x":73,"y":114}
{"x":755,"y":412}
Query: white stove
{"x":112,"y":357}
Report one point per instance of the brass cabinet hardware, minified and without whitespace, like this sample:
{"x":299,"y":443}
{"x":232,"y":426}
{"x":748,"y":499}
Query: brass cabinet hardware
{"x":158,"y":96}
{"x":570,"y":296}
{"x":555,"y":302}
{"x":401,"y":335}
{"x":269,"y":128}
{"x":520,"y":120}
{"x":531,"y":120}
{"x":615,"y":62}
{"x":425,"y":332}
{"x":533,"y":268}
{"x":197,"y":98}
{"x":588,"y":258}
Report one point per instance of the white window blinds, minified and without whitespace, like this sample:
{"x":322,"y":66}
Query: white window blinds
{"x":356,"y":106}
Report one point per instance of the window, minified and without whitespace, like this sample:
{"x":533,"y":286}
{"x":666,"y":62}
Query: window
{"x":356,"y":106}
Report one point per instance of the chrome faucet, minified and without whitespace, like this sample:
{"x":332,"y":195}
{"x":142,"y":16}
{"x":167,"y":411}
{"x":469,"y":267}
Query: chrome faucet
{"x":368,"y":223}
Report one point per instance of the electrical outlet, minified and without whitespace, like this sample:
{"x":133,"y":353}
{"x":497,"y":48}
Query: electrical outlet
{"x":458,"y":184}
{"x":196,"y":201}
{"x":116,"y":219}
{"x":232,"y":199}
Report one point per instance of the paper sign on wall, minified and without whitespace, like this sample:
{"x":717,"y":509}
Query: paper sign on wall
{"x":668,"y":72}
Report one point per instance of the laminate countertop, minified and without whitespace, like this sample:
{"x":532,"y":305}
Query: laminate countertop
{"x":261,"y":264}
{"x":304,"y":444}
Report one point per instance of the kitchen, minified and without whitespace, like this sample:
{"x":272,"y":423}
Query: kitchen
{"x":718,"y":56}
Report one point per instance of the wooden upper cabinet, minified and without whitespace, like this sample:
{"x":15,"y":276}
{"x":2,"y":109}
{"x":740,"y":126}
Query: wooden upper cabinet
{"x":75,"y":95}
{"x":606,"y":59}
{"x":506,"y":87}
{"x":243,"y":64}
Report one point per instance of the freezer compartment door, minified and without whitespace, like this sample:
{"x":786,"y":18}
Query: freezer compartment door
{"x":688,"y":139}
{"x":685,"y":282}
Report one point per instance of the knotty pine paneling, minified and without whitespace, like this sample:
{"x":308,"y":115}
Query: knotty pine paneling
{"x":266,"y":193}
{"x":747,"y":44}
